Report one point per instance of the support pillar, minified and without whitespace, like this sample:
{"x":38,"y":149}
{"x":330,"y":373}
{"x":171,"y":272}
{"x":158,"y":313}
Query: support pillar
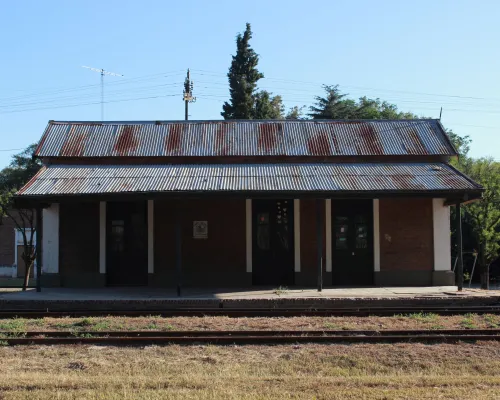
{"x":319,"y":235}
{"x":459,"y":277}
{"x":39,"y":239}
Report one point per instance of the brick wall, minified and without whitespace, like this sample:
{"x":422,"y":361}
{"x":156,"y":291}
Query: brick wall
{"x":79,"y":244}
{"x":219,"y":260}
{"x":309,"y":245}
{"x":7,"y":255}
{"x":406,"y":235}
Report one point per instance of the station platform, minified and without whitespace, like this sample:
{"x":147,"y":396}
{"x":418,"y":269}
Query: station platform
{"x":160,"y":298}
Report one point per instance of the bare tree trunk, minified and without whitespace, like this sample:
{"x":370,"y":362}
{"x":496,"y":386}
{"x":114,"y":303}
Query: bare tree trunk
{"x":27,"y":277}
{"x":484,"y":267}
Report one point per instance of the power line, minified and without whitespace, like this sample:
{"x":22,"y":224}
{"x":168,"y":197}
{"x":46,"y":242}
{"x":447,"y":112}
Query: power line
{"x":362,"y":87}
{"x":86,"y":87}
{"x":87,"y":104}
{"x":11,"y":149}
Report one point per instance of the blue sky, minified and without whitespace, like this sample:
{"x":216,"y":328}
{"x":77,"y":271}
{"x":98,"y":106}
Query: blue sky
{"x":420,"y":55}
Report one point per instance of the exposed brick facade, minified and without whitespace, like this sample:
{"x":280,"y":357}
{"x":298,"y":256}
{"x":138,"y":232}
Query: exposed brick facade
{"x":7,"y":252}
{"x":406,"y":235}
{"x":309,"y":244}
{"x":218,"y":260}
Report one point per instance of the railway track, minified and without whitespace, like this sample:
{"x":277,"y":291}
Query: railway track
{"x":135,"y":338}
{"x":252,"y":312}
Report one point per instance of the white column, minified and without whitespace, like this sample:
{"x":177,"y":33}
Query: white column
{"x":248,"y":216}
{"x":151,"y":250}
{"x":102,"y":237}
{"x":296,"y":233}
{"x":376,"y":235}
{"x":442,"y":239}
{"x":328,"y":234}
{"x":50,"y":240}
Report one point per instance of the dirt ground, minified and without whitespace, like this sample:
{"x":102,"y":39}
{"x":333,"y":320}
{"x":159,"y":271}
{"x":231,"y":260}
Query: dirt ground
{"x":361,"y":371}
{"x":409,"y":321}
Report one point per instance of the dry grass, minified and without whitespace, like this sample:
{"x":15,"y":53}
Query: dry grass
{"x":401,"y":371}
{"x":411,"y":321}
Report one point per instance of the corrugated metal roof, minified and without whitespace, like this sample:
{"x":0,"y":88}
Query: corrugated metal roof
{"x":66,"y":180}
{"x":245,"y":138}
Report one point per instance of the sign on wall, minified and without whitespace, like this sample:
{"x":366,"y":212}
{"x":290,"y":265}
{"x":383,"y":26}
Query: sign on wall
{"x":200,"y":229}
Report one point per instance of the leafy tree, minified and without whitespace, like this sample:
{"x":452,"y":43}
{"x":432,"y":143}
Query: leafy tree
{"x":295,"y":112}
{"x":243,"y":76}
{"x":484,"y":215}
{"x":22,"y":167}
{"x":335,"y":105}
{"x":267,"y":107}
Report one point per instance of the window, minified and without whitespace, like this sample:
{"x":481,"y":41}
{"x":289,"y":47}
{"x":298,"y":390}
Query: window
{"x":341,"y":231}
{"x":118,"y":235}
{"x":263,"y":234}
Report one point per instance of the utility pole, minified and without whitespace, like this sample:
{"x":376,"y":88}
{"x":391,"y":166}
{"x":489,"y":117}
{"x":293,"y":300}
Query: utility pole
{"x":188,"y":95}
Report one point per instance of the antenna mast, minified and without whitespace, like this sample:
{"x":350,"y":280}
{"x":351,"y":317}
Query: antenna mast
{"x":103,"y":72}
{"x":188,"y":94}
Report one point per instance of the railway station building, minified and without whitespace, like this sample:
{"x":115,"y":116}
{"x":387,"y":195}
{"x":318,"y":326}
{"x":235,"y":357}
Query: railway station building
{"x":246,"y":203}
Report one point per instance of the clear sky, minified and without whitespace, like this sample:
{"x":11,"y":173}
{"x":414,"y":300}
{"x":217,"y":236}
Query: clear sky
{"x":420,"y":55}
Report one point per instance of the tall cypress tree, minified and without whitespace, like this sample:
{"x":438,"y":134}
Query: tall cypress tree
{"x":243,"y":76}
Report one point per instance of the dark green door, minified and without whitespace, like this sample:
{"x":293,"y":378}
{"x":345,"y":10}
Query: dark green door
{"x":352,"y":242}
{"x":273,"y":253}
{"x":126,"y":244}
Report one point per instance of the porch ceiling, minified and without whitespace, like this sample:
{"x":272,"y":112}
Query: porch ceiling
{"x":328,"y":179}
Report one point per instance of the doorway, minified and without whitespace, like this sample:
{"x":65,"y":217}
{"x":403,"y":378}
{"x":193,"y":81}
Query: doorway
{"x":126,"y":244}
{"x":272,"y":238}
{"x":352,"y":242}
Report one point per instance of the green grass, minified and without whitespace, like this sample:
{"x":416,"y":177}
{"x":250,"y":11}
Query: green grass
{"x":468,"y":322}
{"x":491,"y":320}
{"x":15,"y":324}
{"x":421,"y":316}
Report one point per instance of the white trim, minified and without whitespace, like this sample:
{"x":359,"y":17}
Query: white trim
{"x":50,"y":239}
{"x":441,"y":233}
{"x":102,"y":237}
{"x":328,"y":234}
{"x":296,"y":233}
{"x":376,"y":235}
{"x":151,"y":237}
{"x":248,"y":215}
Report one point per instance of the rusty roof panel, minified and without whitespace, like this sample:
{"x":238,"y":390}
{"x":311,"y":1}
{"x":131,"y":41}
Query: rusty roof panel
{"x":369,"y":177}
{"x":244,"y":138}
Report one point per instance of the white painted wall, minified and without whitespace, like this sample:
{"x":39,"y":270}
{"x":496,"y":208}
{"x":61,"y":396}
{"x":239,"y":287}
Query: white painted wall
{"x":376,"y":235}
{"x":151,"y":251}
{"x":442,"y":239}
{"x":248,"y":217}
{"x":328,"y":234}
{"x":296,"y":234}
{"x":8,"y":272}
{"x":102,"y":237}
{"x":50,"y":241}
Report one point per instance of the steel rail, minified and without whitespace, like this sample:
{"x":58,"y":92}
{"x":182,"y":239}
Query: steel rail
{"x":127,"y":338}
{"x":249,"y":312}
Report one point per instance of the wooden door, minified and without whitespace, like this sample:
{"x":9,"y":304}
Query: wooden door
{"x":126,"y":244}
{"x":273,"y":251}
{"x":352,"y":242}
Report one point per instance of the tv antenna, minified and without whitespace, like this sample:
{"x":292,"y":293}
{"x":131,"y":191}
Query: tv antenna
{"x":103,"y":72}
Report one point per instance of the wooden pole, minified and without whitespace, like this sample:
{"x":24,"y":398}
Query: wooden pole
{"x":459,"y":277}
